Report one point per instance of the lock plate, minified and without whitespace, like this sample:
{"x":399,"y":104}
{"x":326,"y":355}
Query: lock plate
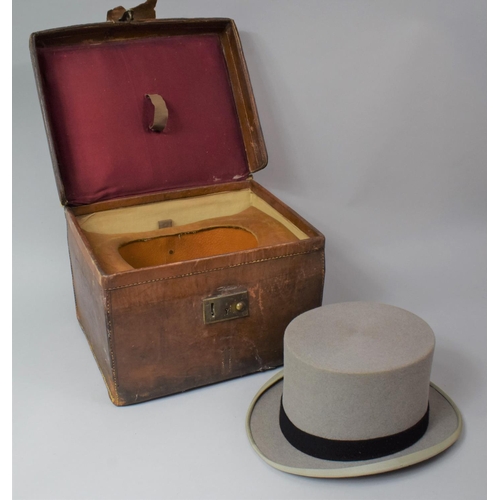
{"x":230,"y":302}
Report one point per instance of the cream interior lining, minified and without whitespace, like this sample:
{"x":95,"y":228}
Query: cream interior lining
{"x":183,"y":211}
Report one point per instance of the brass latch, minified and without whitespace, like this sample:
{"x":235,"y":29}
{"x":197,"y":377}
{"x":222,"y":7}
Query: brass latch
{"x":229,"y":302}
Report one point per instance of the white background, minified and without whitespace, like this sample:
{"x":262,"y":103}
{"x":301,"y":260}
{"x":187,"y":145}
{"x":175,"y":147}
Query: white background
{"x":374,"y":115}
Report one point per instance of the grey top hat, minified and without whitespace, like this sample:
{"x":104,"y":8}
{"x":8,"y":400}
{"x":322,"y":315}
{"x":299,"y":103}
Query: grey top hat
{"x":354,"y":397}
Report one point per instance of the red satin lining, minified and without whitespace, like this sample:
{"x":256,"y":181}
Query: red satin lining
{"x":100,"y":116}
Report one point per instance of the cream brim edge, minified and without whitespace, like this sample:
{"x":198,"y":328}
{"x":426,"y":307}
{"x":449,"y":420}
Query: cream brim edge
{"x":361,"y":470}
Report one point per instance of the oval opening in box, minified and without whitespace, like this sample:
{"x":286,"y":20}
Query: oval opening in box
{"x":187,"y":246}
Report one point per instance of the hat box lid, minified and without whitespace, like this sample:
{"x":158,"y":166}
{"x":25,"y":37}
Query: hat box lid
{"x":94,"y":81}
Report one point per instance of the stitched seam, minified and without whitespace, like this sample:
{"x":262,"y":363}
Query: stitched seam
{"x":211,"y":270}
{"x":109,"y":328}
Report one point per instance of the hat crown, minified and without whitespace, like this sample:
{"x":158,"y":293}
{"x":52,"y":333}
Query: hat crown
{"x":357,"y":370}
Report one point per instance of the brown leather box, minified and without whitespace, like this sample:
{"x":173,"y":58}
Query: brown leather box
{"x":185,"y":270}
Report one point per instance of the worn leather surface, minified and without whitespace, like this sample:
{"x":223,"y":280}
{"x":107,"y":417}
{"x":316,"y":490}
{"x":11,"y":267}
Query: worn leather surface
{"x":162,"y":345}
{"x":145,"y":326}
{"x":250,"y":228}
{"x":91,"y":303}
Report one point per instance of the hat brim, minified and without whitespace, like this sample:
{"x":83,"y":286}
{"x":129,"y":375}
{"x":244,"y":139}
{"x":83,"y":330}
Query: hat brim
{"x":264,"y":433}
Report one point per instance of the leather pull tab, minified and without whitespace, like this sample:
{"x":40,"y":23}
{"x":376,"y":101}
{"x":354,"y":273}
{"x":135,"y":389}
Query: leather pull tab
{"x":142,"y":12}
{"x":161,"y":112}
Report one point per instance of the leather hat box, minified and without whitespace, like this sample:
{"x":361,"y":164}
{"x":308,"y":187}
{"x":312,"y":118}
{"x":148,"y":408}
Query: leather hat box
{"x":186,"y":271}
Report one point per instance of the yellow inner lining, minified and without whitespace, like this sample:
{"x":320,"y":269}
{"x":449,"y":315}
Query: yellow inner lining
{"x":141,"y":218}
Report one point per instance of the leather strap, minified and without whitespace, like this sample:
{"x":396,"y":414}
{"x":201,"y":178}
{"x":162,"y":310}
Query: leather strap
{"x":161,"y":112}
{"x":142,"y":12}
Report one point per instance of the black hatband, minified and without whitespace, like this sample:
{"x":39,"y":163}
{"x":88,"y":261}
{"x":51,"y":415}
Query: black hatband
{"x":348,"y":451}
